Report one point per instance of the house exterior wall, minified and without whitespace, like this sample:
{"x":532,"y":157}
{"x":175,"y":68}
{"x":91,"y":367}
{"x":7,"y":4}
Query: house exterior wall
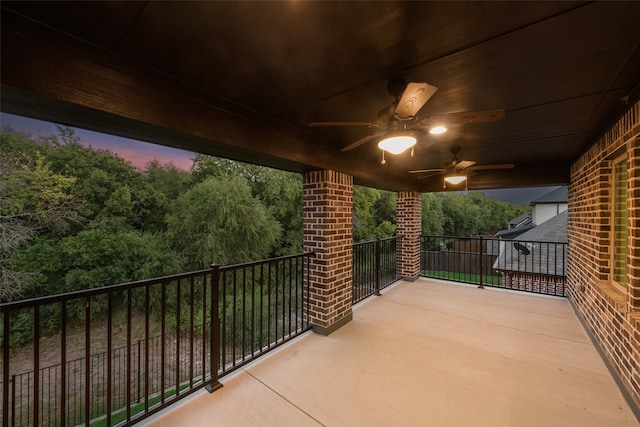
{"x":538,"y":283}
{"x":408,"y":225}
{"x":328,"y":212}
{"x":610,"y":312}
{"x":545,"y":211}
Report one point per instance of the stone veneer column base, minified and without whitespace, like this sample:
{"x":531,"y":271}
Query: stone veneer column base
{"x":322,"y":330}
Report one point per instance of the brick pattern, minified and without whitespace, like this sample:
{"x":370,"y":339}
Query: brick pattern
{"x":408,"y":225}
{"x":328,"y":232}
{"x":610,"y":312}
{"x":539,"y":283}
{"x":634,"y":223}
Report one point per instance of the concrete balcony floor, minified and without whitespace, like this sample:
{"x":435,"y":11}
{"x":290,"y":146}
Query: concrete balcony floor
{"x":426,"y":353}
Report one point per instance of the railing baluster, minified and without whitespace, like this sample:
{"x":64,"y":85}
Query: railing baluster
{"x":191,"y":331}
{"x":530,"y":266}
{"x":36,"y":364}
{"x":204,"y":326}
{"x":147,"y":309}
{"x":103,"y":383}
{"x":214,"y":384}
{"x":481,"y":286}
{"x":128,"y":382}
{"x":109,"y":355}
{"x":5,"y":374}
{"x":63,"y":364}
{"x":163,"y":300}
{"x":178,"y":335}
{"x":87,"y":361}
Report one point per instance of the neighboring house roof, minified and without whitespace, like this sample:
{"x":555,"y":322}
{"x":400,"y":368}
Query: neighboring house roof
{"x":523,"y":219}
{"x":541,"y":250}
{"x":559,"y":195}
{"x":552,"y":230}
{"x":512,"y":233}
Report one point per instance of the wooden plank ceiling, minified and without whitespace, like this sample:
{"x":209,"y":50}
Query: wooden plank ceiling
{"x":244,"y":79}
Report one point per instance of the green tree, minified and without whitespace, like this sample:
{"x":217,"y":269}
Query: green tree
{"x":168,"y":179}
{"x":103,"y":178}
{"x":458,"y":214}
{"x":35,"y":201}
{"x":218,"y":220}
{"x":374,"y":213}
{"x":432,"y":215}
{"x":279,"y":191}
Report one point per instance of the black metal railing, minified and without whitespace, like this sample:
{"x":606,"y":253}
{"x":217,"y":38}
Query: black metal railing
{"x":375,"y":266}
{"x":117,"y":354}
{"x":525,"y":265}
{"x":263,"y":305}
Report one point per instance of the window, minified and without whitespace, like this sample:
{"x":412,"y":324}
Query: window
{"x":620,"y":225}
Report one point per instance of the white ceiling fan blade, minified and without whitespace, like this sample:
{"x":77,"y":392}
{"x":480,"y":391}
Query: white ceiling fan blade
{"x":413,"y":99}
{"x":361,"y":141}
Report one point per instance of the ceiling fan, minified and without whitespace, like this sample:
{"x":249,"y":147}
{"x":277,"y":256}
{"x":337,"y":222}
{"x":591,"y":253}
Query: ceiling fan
{"x":399,"y":125}
{"x":457,"y":171}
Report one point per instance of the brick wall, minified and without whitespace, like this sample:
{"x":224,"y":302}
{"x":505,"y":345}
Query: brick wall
{"x":611,"y":313}
{"x":328,"y":233}
{"x":408,"y":225}
{"x":538,"y":283}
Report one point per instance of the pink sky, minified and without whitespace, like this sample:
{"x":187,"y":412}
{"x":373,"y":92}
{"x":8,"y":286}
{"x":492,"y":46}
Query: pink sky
{"x":138,"y":153}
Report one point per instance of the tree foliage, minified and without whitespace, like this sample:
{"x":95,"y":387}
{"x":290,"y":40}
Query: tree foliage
{"x":73,"y":217}
{"x":374,"y":213}
{"x":458,"y":214}
{"x":218,"y":220}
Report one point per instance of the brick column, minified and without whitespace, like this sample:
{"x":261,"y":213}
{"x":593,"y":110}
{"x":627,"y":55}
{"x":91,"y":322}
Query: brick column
{"x":408,"y":225}
{"x":328,"y":231}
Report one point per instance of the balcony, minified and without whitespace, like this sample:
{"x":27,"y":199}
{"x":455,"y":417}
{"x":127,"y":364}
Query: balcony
{"x":430,"y":351}
{"x":425,"y":353}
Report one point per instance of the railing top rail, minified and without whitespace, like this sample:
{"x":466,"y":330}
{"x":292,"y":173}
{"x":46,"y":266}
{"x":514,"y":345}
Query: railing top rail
{"x":266,"y":261}
{"x":492,"y":238}
{"x":379,"y":239}
{"x":17,"y":305}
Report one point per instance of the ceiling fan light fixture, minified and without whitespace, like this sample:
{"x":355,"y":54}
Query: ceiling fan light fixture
{"x":455,"y":179}
{"x":397,"y":143}
{"x":437,"y":130}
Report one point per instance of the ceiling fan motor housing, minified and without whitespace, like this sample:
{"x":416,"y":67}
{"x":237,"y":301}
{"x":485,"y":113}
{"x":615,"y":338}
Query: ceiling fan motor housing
{"x":396,"y":87}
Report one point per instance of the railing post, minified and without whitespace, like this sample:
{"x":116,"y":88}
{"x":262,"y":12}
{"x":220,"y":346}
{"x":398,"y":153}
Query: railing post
{"x":215,"y":329}
{"x":481,"y":286}
{"x":377,"y":266}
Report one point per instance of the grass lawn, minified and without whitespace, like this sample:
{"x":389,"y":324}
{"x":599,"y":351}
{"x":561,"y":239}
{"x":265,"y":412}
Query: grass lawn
{"x":462,"y":277}
{"x":118,"y":417}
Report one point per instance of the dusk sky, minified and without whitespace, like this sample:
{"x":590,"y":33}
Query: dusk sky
{"x":139,"y":154}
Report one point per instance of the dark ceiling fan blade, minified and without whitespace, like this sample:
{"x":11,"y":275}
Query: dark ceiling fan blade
{"x":360,"y":124}
{"x":489,"y":167}
{"x":429,"y":175}
{"x":413,"y":99}
{"x":430,"y":171}
{"x":360,"y":142}
{"x":482,"y":116}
